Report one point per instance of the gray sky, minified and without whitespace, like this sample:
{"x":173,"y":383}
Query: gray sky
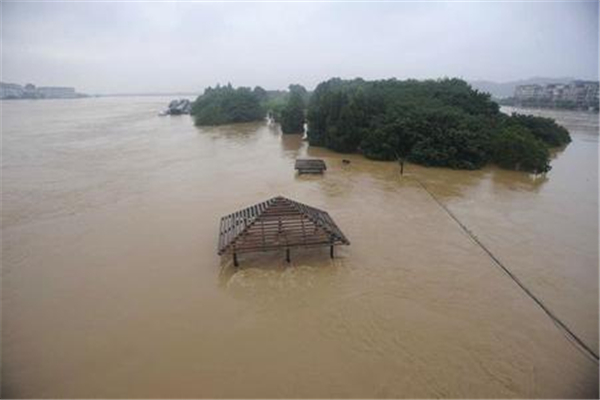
{"x":146,"y":47}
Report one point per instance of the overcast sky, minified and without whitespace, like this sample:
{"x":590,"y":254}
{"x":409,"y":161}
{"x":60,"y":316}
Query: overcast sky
{"x":159,"y":47}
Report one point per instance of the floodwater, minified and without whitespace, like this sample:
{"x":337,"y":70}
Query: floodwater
{"x":111,"y":285}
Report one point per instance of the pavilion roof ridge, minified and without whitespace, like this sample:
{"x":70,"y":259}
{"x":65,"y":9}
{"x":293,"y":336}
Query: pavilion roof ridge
{"x":239,"y":226}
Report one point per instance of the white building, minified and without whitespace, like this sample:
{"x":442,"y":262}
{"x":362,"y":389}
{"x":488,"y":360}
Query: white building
{"x":56,"y":92}
{"x":30,"y":91}
{"x":577,"y":94}
{"x":10,"y":91}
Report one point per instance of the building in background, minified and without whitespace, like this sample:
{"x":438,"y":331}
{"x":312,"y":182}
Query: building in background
{"x":30,"y":91}
{"x":56,"y":92}
{"x":582,"y":95}
{"x":11,"y":91}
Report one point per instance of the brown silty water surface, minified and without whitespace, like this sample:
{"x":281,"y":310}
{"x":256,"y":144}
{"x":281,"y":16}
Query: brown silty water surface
{"x":111,"y":286}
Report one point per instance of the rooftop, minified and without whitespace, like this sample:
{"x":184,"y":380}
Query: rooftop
{"x":311,"y":166}
{"x":278,"y":223}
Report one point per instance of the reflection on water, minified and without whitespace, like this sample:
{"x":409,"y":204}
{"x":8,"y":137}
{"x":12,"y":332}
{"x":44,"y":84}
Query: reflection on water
{"x":111,"y":286}
{"x":292,"y":146}
{"x":458,"y":184}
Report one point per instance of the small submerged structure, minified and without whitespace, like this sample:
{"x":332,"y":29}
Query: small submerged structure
{"x":278,"y":223}
{"x":310,"y":166}
{"x":178,"y":107}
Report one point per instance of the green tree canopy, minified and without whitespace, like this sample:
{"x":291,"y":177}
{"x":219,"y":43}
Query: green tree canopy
{"x":514,"y":147}
{"x":434,"y":122}
{"x":224,"y":105}
{"x":292,"y":113}
{"x":260,"y":94}
{"x":544,"y":129}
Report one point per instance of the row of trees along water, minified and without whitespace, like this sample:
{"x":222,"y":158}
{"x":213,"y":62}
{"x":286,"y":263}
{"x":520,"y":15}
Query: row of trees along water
{"x":434,"y":122}
{"x":225,"y":105}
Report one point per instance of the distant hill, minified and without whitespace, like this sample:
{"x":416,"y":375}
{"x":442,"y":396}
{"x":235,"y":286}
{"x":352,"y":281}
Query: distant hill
{"x":507,"y":89}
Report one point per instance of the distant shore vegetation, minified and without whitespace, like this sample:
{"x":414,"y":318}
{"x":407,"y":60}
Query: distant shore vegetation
{"x":442,"y":123}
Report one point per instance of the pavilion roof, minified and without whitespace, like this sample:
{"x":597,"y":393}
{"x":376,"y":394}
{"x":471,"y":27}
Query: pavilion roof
{"x":310,"y":165}
{"x":277,"y":223}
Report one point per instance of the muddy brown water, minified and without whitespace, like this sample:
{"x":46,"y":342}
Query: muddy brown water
{"x":111,"y":286}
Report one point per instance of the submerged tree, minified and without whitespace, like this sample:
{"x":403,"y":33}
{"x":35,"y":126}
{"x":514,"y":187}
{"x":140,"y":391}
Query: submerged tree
{"x":435,"y":122}
{"x":224,"y":105}
{"x":542,"y":128}
{"x":516,"y":148}
{"x":292,"y":113}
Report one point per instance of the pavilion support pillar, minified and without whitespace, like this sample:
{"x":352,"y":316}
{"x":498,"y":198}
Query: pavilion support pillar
{"x":235,"y":260}
{"x":287,"y":255}
{"x":331,"y":251}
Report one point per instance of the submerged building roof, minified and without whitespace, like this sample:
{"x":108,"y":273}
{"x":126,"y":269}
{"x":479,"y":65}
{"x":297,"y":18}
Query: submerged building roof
{"x":311,"y":166}
{"x":277,"y":223}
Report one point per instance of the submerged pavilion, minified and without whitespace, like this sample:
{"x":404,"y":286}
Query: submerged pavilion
{"x":278,"y":223}
{"x":310,"y":166}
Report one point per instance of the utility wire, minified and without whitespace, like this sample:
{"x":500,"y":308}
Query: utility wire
{"x":573,"y":338}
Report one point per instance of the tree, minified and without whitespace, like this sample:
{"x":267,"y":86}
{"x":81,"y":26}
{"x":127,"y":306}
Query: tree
{"x":516,"y":148}
{"x":224,"y":105}
{"x":434,"y":122}
{"x":545,"y":129}
{"x":292,"y":114}
{"x":260,"y":94}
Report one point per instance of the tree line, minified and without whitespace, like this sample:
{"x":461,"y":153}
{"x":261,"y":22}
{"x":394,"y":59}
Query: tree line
{"x":441,"y":123}
{"x":433,"y":122}
{"x":225,"y":105}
